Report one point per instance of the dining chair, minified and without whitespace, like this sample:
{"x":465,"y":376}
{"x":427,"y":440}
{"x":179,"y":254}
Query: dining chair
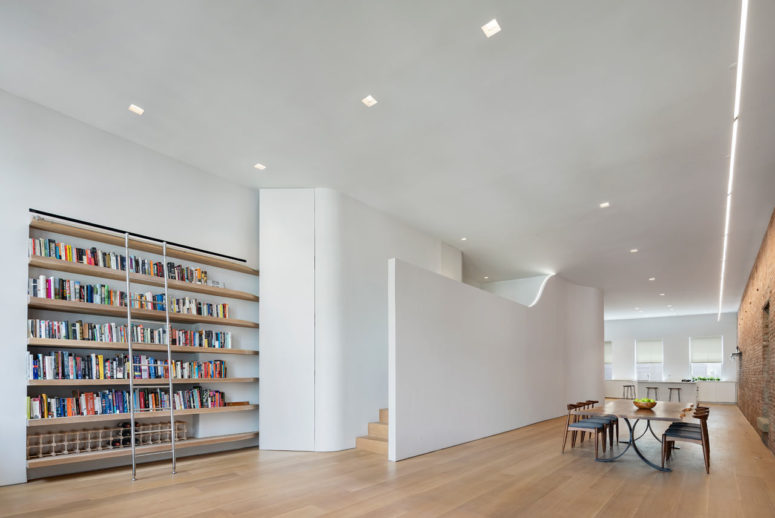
{"x":573,"y":424}
{"x":694,"y":426}
{"x":597,"y":418}
{"x":613,"y":422}
{"x":679,"y":432}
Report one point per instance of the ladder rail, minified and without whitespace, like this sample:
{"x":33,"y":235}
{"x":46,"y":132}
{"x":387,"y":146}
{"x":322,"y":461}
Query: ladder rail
{"x":169,"y":356}
{"x":168,"y":386}
{"x":131,"y":357}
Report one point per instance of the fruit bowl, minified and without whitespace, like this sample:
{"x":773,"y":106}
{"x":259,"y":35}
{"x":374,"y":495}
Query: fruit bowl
{"x":644,"y":405}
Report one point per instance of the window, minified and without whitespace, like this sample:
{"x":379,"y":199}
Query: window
{"x":649,"y":359}
{"x":707,"y":356}
{"x":608,"y":360}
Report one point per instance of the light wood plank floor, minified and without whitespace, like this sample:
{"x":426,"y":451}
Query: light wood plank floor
{"x":519,"y":473}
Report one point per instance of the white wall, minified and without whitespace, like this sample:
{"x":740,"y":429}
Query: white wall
{"x":54,"y":163}
{"x":287,"y":319}
{"x":352,"y":243}
{"x":675,"y":333}
{"x":466,"y":364}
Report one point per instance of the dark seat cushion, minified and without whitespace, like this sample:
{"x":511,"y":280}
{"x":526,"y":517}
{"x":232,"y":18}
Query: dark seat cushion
{"x":683,"y":433}
{"x":586,"y":423}
{"x":685,"y":425}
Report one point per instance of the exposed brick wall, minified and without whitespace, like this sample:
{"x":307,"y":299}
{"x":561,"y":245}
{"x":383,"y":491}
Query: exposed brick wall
{"x":756,"y":390}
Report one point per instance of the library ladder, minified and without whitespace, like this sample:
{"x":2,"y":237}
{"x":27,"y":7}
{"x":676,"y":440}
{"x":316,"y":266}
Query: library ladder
{"x":168,"y":386}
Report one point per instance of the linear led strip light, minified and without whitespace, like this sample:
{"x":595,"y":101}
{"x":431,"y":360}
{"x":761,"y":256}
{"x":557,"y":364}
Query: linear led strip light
{"x":733,"y":152}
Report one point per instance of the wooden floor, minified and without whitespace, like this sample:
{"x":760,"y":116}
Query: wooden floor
{"x":519,"y":473}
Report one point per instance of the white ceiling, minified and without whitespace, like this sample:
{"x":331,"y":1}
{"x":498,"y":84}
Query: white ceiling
{"x":511,"y":141}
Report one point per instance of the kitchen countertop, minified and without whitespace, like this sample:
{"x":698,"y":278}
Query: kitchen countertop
{"x":669,"y":382}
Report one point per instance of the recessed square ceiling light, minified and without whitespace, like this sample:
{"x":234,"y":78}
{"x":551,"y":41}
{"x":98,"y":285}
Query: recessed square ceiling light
{"x":491,"y":28}
{"x":485,"y":277}
{"x":464,"y":239}
{"x":605,"y":205}
{"x":260,"y":167}
{"x":369,"y":101}
{"x":135,"y":109}
{"x":661,"y":294}
{"x":633,"y":250}
{"x":652,"y":278}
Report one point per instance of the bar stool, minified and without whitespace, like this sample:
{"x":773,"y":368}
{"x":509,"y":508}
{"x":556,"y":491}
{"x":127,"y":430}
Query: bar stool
{"x":656,"y":392}
{"x":628,"y":391}
{"x":670,"y":395}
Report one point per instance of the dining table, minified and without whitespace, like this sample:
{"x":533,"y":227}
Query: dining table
{"x":667,"y":411}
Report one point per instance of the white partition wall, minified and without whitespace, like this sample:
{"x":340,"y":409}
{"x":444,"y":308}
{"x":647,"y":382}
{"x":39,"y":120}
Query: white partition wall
{"x":324,"y":330}
{"x":466,"y":364}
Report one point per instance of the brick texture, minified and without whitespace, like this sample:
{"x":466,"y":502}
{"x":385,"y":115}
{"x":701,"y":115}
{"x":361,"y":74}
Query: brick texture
{"x":755,"y":333}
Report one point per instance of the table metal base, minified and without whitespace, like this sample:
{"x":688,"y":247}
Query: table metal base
{"x":631,"y":443}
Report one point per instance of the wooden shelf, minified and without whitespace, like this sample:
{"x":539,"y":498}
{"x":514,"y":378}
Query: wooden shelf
{"x":137,"y":382}
{"x":139,"y":314}
{"x":34,"y":423}
{"x":126,"y":451}
{"x":135,"y":244}
{"x":59,"y":265}
{"x":121,"y":346}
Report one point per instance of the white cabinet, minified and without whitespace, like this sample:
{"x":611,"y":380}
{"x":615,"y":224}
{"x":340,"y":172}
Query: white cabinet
{"x":717,"y":391}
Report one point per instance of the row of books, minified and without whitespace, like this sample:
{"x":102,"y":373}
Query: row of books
{"x":66,"y":365}
{"x":112,"y":332}
{"x":117,"y":402}
{"x":192,"y":306}
{"x":67,"y":289}
{"x":92,"y":256}
{"x":59,"y":365}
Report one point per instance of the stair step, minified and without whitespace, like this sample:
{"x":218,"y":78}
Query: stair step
{"x":379,"y":430}
{"x":383,"y":415}
{"x":373,"y":444}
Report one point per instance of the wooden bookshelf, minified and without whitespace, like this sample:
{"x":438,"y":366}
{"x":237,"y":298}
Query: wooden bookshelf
{"x":135,"y":244}
{"x":72,"y":458}
{"x":122,"y":346}
{"x":34,"y":423}
{"x":137,"y":313}
{"x":138,"y":382}
{"x":50,"y":263}
{"x":120,"y":312}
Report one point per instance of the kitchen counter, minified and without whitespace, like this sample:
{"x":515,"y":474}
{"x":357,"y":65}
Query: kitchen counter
{"x":691,"y":391}
{"x":646,"y":382}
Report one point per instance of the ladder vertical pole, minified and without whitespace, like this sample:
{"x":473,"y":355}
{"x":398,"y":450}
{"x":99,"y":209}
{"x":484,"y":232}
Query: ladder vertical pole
{"x":173,"y":432}
{"x":131,"y":356}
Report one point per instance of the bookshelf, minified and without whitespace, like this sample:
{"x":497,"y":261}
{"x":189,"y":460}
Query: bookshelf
{"x":136,"y":244}
{"x":242,"y":350}
{"x":48,"y":263}
{"x":155,"y":414}
{"x":121,"y":346}
{"x":88,"y":308}
{"x":140,"y":382}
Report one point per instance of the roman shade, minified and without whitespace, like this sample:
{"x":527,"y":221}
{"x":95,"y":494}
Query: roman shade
{"x":707,"y":350}
{"x":648,"y":351}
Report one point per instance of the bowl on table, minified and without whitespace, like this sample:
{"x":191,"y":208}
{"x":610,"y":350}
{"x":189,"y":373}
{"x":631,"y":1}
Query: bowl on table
{"x":644,"y":405}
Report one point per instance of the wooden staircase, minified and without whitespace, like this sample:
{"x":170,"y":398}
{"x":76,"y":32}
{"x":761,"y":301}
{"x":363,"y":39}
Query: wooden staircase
{"x":377,"y":440}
